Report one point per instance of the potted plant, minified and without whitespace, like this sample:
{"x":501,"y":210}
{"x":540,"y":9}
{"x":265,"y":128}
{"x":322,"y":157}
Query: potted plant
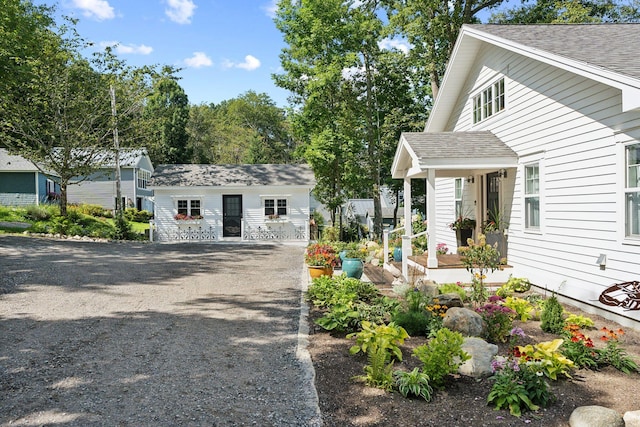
{"x":353,"y":262}
{"x":494,"y":229}
{"x":463,"y":227}
{"x":321,"y":259}
{"x":396,"y":248}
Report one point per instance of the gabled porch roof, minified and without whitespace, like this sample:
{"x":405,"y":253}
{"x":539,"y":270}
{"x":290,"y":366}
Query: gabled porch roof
{"x":450,"y":154}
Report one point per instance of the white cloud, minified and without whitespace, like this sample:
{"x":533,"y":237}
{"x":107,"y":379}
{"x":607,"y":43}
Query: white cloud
{"x":98,"y":9}
{"x":130,"y":49}
{"x":250,"y":63}
{"x":401,"y":45}
{"x":198,"y":60}
{"x":180,"y":11}
{"x":271,"y":8}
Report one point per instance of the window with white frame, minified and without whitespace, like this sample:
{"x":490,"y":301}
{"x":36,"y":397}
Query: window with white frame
{"x":532,"y":196}
{"x":275,"y":207}
{"x":189,"y":209}
{"x":143,"y":178}
{"x":489,"y":101}
{"x":458,"y":197}
{"x":632,"y":191}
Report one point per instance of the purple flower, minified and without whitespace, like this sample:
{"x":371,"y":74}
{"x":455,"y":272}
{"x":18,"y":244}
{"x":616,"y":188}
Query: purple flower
{"x":517,"y":332}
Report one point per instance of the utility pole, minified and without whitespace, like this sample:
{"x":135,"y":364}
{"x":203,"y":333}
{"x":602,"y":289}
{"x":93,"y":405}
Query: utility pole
{"x":116,"y":144}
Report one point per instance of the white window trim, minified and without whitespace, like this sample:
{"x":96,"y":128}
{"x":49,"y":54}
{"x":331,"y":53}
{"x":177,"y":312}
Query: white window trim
{"x":188,"y":199}
{"x":275,"y":199}
{"x":478,"y":92}
{"x":623,"y":141}
{"x":529,"y":160}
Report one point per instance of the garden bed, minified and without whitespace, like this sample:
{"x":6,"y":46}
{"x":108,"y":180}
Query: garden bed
{"x":345,"y":401}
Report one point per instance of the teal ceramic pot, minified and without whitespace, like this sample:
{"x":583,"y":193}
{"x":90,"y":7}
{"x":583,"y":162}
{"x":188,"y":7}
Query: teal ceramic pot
{"x":342,"y":254}
{"x":353,"y":267}
{"x":397,"y":254}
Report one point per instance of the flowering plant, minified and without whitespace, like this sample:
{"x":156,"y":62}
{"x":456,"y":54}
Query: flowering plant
{"x":320,"y":255}
{"x":463,"y":223}
{"x":442,"y":249}
{"x":183,"y":217}
{"x":499,"y":320}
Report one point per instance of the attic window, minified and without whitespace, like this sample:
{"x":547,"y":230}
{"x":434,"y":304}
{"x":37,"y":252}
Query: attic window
{"x":489,"y":101}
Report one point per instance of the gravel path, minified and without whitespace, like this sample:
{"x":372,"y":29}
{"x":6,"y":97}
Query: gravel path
{"x":137,"y":334}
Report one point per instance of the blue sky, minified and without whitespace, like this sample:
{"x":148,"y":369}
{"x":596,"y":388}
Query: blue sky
{"x":224,"y":47}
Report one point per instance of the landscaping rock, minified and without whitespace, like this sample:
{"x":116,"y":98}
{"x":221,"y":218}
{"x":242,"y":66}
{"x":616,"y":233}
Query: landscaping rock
{"x":427,"y":287}
{"x":631,"y":419}
{"x":481,"y":353}
{"x":467,"y":322}
{"x":450,"y":300}
{"x":595,"y":416}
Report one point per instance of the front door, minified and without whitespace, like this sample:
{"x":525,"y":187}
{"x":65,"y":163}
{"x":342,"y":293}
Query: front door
{"x":493,"y":195}
{"x":231,"y":215}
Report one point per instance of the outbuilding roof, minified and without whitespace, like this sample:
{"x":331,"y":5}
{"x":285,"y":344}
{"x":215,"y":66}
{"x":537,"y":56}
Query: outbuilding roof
{"x":189,"y":175}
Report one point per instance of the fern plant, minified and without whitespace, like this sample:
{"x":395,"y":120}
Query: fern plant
{"x":379,"y":371}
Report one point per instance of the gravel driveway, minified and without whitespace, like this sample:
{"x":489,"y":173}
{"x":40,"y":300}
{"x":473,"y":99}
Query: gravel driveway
{"x":138,"y":334}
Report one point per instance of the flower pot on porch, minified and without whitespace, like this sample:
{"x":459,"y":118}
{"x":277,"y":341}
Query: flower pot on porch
{"x":397,"y":254}
{"x":497,"y":238}
{"x":462,"y":235}
{"x":353,"y":267}
{"x":316,"y":271}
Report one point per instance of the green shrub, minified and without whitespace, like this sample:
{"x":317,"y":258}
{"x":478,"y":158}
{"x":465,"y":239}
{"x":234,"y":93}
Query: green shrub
{"x":340,"y":317}
{"x":388,"y":337}
{"x":514,"y":284}
{"x":551,"y":318}
{"x":88,"y":209}
{"x":38,"y":213}
{"x":134,"y":215}
{"x":414,"y":322}
{"x":441,"y":356}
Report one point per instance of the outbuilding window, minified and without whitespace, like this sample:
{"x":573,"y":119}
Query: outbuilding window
{"x":189,"y":209}
{"x":273,"y":207}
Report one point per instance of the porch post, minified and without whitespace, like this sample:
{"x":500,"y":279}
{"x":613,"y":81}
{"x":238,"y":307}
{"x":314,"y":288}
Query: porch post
{"x":408,"y":230}
{"x":432,"y":259}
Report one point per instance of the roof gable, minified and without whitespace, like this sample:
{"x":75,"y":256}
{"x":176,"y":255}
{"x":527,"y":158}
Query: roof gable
{"x":602,"y":52}
{"x":188,"y":175}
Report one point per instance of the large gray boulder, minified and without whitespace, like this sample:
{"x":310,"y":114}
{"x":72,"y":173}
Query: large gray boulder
{"x":467,"y":322}
{"x":482,"y":353}
{"x":450,"y":300}
{"x":595,"y":416}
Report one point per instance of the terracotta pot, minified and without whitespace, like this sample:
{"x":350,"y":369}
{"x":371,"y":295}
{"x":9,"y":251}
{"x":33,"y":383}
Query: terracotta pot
{"x":316,"y":271}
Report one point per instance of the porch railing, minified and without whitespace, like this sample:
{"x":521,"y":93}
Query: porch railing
{"x":406,"y":248}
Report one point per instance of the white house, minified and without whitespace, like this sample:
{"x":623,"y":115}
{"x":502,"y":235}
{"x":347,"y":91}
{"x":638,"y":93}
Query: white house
{"x":100,"y":187}
{"x":232,"y":202}
{"x":543,"y":123}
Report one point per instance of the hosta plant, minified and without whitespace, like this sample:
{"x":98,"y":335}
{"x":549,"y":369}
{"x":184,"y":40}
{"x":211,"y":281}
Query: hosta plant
{"x":415,"y":383}
{"x":386,"y":337}
{"x":548,"y":353}
{"x":520,"y":306}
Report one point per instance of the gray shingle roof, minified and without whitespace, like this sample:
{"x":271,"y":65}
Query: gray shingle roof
{"x":609,"y":46}
{"x":231,"y":175}
{"x":10,"y":162}
{"x":448,"y":145}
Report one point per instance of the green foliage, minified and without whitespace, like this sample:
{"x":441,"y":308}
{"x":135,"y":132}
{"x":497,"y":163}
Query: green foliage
{"x":378,"y":311}
{"x":441,"y":356}
{"x":416,"y":323}
{"x":386,"y":337}
{"x":38,"y":213}
{"x":579,"y":320}
{"x":330,"y":234}
{"x":518,"y":386}
{"x":549,"y":355}
{"x":499,"y":321}
{"x":415,"y":383}
{"x":340,"y":317}
{"x":122,"y":229}
{"x":552,"y":317}
{"x":580,"y":354}
{"x":479,"y":259}
{"x":615,"y":355}
{"x":514,"y":284}
{"x":453,"y":288}
{"x":379,"y":371}
{"x":88,"y":209}
{"x":520,"y":306}
{"x":135,"y":215}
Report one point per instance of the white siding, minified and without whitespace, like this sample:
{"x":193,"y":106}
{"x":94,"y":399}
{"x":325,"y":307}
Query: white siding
{"x":295,"y":222}
{"x":571,"y":123}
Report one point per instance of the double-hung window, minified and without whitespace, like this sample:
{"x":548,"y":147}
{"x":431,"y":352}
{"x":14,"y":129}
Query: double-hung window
{"x":489,"y":101}
{"x":532,"y":196}
{"x":275,"y":207}
{"x":143,"y":178}
{"x":189,"y":208}
{"x":458,"y":197}
{"x":632,"y":191}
